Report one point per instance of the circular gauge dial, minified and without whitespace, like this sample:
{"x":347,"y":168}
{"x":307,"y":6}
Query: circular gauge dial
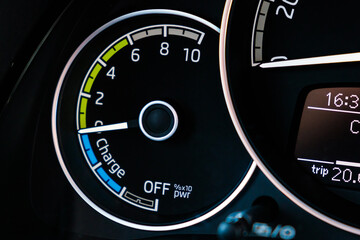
{"x":290,"y":75}
{"x":140,"y":124}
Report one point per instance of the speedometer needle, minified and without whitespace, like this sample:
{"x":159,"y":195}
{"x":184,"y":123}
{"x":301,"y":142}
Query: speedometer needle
{"x":338,"y":58}
{"x":110,"y":127}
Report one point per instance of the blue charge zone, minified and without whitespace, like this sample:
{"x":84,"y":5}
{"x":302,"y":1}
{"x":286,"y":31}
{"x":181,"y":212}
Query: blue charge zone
{"x":100,"y":172}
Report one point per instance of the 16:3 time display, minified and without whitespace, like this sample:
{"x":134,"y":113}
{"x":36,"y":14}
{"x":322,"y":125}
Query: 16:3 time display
{"x":338,"y":99}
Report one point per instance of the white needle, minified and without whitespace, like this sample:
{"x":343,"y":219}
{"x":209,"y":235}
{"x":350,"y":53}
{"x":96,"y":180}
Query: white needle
{"x":339,"y":58}
{"x":111,"y":127}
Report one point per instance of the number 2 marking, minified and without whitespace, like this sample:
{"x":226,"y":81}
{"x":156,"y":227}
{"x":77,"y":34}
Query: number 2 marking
{"x":97,"y":102}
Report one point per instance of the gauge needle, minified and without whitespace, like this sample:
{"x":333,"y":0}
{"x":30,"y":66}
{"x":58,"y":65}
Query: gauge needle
{"x":338,"y":58}
{"x":110,"y":127}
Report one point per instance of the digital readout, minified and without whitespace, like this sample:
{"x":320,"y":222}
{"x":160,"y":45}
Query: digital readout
{"x":328,"y":141}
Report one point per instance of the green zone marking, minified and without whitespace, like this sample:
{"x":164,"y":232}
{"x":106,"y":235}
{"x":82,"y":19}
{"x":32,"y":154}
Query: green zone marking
{"x":95,"y":71}
{"x":114,"y":49}
{"x":83,"y":106}
{"x":92,"y":76}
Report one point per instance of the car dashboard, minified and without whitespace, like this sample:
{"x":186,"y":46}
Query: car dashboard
{"x":233,"y":119}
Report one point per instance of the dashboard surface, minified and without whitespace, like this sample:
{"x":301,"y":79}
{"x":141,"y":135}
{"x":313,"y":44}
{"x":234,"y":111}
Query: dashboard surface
{"x":117,"y":123}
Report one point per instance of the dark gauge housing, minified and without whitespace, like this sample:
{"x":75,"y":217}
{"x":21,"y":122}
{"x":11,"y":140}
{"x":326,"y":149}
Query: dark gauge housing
{"x":135,"y":126}
{"x":298,"y":53}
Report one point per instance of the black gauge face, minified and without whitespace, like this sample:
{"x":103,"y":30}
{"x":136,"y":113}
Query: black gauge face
{"x":292,"y":87}
{"x":141,"y":126}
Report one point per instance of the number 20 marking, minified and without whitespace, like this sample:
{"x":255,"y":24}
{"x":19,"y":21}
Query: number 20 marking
{"x":287,"y":13}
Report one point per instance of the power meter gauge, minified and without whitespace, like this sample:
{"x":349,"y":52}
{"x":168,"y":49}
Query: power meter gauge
{"x":135,"y":126}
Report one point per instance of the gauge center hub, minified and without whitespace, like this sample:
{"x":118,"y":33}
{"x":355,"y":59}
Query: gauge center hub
{"x":158,"y":120}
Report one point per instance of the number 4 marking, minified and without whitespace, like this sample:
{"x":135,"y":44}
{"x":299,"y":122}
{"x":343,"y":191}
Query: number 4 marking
{"x":111,"y":73}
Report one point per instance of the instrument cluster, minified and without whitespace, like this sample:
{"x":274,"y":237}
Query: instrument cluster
{"x":231,"y":119}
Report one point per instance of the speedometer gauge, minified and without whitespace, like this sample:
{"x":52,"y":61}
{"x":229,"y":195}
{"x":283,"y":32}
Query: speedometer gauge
{"x":290,"y":72}
{"x":140,"y":124}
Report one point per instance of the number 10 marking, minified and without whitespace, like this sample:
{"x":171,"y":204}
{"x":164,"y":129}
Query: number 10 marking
{"x":194,"y":55}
